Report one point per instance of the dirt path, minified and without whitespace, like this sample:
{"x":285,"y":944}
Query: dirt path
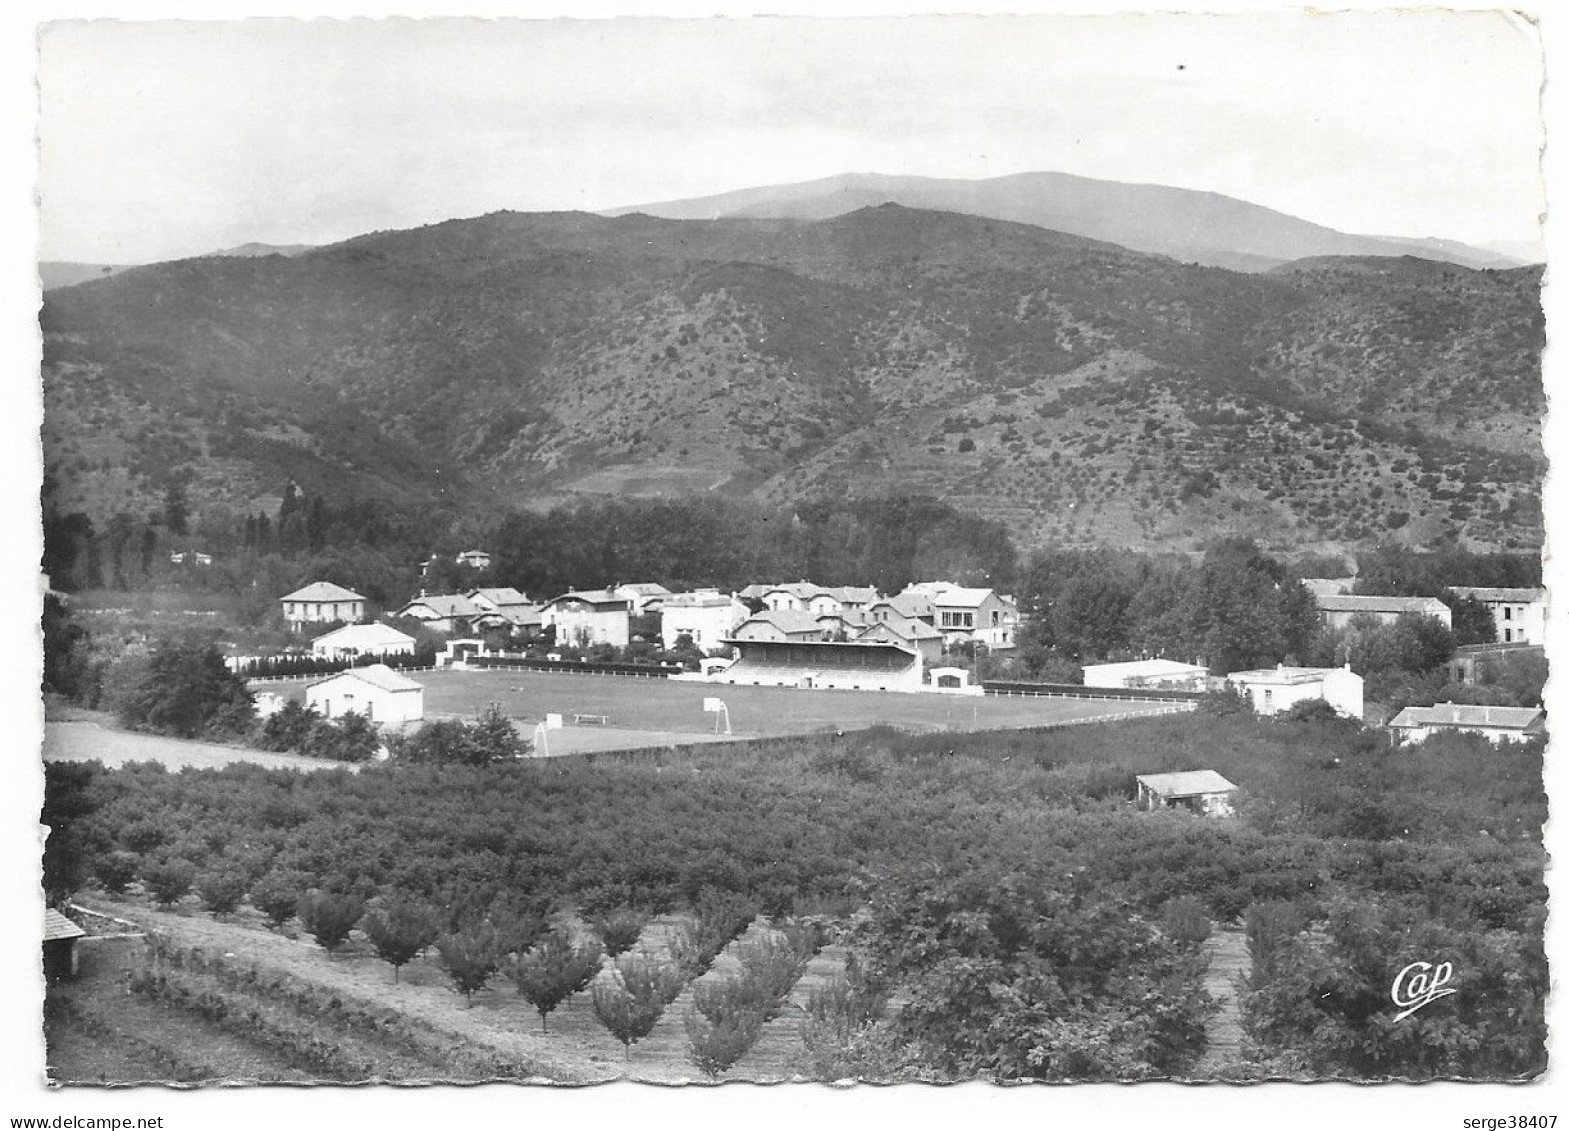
{"x":83,"y":741}
{"x":1228,"y":964}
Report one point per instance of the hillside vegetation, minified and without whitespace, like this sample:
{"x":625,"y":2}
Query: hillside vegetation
{"x":1074,"y":390}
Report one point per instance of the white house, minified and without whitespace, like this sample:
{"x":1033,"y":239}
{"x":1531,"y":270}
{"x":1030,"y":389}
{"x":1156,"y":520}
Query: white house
{"x":708,"y":617}
{"x":322,"y":602}
{"x":474,"y":559}
{"x":1201,"y":791}
{"x":1337,"y":609}
{"x":1271,"y":691}
{"x":1166,"y":674}
{"x":377,"y":692}
{"x":354,"y":640}
{"x":594,"y":616}
{"x":1496,"y":724}
{"x":1519,"y":615}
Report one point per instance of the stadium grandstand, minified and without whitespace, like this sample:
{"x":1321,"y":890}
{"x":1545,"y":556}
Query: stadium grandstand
{"x":843,"y":665}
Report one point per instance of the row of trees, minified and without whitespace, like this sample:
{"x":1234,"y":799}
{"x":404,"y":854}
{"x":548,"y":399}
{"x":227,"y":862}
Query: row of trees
{"x":1236,"y":608}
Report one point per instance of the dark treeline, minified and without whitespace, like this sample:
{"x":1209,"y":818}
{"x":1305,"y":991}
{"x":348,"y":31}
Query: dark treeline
{"x":377,"y":549}
{"x":1398,"y":571}
{"x":885,"y":542}
{"x":1236,"y":608}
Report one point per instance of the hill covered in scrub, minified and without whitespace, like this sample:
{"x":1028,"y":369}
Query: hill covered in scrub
{"x":1075,"y":390}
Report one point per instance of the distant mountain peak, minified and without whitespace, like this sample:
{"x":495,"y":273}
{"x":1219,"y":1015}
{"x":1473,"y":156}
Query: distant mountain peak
{"x":1186,"y":224}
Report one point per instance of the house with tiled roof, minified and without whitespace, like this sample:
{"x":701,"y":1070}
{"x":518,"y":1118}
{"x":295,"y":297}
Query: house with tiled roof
{"x":918,"y":635}
{"x":442,"y":612}
{"x":589,"y":616}
{"x":783,"y":625}
{"x":795,"y":597}
{"x":1519,"y":615}
{"x":1337,"y":609}
{"x":322,"y":602}
{"x":1496,"y":724}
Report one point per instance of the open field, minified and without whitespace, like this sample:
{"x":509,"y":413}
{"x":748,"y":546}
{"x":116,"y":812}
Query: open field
{"x":657,"y":712}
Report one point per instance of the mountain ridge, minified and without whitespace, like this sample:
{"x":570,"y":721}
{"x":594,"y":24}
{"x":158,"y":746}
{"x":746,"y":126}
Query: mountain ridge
{"x":1074,"y":389}
{"x":1188,"y":224}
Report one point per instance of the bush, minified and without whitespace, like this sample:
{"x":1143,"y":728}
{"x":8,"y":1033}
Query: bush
{"x":115,"y":870}
{"x":1184,"y":920}
{"x":277,"y":896}
{"x":221,"y":889}
{"x":169,"y":879}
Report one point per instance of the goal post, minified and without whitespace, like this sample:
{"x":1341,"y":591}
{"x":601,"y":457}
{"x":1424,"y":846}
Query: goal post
{"x":717,"y":708}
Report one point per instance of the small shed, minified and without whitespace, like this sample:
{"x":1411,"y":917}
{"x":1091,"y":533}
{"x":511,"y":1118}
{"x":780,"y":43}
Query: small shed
{"x":60,"y":935}
{"x":1202,"y":791}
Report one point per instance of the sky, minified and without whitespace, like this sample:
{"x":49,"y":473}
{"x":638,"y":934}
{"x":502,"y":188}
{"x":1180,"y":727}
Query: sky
{"x":164,"y":139}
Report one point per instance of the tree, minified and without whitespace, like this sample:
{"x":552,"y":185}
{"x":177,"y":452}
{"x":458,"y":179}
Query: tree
{"x":630,"y":997}
{"x":714,"y":1044}
{"x":289,"y":728}
{"x":493,"y":738}
{"x":553,"y":971}
{"x":470,"y":957}
{"x":68,"y":801}
{"x":183,"y":688}
{"x":221,"y":888}
{"x":277,"y":896}
{"x":1470,"y":620}
{"x":176,"y":508}
{"x":620,"y":929}
{"x":168,"y":878}
{"x":329,"y":917}
{"x":399,"y":930}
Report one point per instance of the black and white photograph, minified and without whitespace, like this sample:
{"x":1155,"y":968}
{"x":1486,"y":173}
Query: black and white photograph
{"x":904,"y":548}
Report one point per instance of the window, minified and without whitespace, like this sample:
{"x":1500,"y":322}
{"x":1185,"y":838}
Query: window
{"x":1507,"y":612}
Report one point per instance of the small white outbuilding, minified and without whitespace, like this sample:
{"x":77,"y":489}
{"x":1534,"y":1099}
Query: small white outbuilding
{"x":1200,"y":791}
{"x":377,"y":692}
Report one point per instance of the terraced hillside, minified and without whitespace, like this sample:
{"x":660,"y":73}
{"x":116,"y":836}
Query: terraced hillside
{"x":1074,"y":389}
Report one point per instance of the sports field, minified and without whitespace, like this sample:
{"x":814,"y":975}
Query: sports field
{"x":658,"y":712}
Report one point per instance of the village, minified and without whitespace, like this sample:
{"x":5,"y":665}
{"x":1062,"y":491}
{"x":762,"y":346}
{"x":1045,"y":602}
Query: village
{"x":924,"y":639}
